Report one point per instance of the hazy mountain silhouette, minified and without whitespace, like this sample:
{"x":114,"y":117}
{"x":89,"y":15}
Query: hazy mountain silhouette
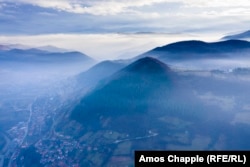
{"x":243,"y":35}
{"x":151,"y":106}
{"x":4,"y":47}
{"x":129,"y":91}
{"x":188,"y":50}
{"x":142,"y":91}
{"x":98,"y":72}
{"x":50,"y":48}
{"x":36,"y":55}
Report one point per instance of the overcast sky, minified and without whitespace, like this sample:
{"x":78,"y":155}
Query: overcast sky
{"x":50,"y":17}
{"x":109,"y":16}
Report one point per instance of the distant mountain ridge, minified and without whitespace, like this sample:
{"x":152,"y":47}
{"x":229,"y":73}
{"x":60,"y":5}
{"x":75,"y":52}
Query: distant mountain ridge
{"x":4,"y":47}
{"x":38,"y":55}
{"x":98,"y":72}
{"x":13,"y":46}
{"x":203,"y":47}
{"x":243,"y":35}
{"x":50,"y":48}
{"x":193,"y":49}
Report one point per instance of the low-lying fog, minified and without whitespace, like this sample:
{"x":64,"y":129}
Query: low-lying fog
{"x":211,"y":64}
{"x":110,"y":46}
{"x":47,"y":93}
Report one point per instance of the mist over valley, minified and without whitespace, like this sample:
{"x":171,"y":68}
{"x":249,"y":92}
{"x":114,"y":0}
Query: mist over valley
{"x":64,"y":107}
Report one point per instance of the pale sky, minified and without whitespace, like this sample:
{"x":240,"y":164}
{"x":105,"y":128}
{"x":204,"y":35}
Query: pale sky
{"x":109,"y":16}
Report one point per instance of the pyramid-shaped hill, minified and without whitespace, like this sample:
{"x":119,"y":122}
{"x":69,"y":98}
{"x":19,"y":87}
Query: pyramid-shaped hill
{"x":148,"y":65}
{"x":132,"y":90}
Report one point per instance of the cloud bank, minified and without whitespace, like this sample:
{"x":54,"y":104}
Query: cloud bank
{"x":123,"y":16}
{"x":111,"y":7}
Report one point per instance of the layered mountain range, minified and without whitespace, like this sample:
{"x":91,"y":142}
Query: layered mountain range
{"x":141,"y":103}
{"x":37,"y":55}
{"x":198,"y":50}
